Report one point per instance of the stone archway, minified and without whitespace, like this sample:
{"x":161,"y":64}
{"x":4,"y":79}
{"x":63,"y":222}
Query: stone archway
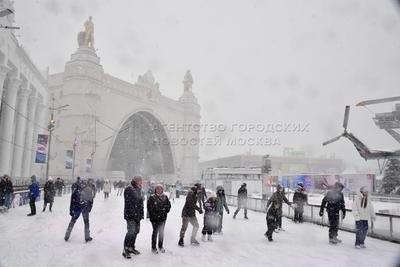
{"x":142,"y":148}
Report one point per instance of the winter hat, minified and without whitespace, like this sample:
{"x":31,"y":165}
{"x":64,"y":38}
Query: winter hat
{"x":278,"y":187}
{"x":33,"y":177}
{"x":300,"y":185}
{"x":244,"y":184}
{"x":50,"y":178}
{"x":159,"y":186}
{"x":363,"y":189}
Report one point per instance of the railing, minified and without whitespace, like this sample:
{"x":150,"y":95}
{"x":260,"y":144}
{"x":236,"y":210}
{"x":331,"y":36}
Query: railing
{"x":386,"y":226}
{"x":21,"y":195}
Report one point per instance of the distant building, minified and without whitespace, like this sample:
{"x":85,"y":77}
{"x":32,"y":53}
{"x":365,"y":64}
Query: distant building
{"x":280,"y":165}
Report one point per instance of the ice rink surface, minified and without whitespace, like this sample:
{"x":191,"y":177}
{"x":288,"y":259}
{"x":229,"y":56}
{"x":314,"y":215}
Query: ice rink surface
{"x":38,"y":241}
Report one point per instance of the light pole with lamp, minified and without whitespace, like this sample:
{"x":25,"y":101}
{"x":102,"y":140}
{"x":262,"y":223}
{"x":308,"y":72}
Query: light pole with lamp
{"x":50,"y":128}
{"x":4,"y":13}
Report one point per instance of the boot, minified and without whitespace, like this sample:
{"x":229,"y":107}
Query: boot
{"x":270,"y":239}
{"x":210,"y":238}
{"x":203,"y":238}
{"x":67,"y":235}
{"x":126,"y":254}
{"x":332,"y":241}
{"x":180,"y":243}
{"x":337,"y":240}
{"x":154,"y":250}
{"x":88,"y":239}
{"x":162,"y":250}
{"x":193,"y":241}
{"x":134,"y":251}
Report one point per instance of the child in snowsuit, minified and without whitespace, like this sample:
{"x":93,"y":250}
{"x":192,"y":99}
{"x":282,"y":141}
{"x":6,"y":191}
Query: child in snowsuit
{"x":272,"y":218}
{"x":210,"y":218}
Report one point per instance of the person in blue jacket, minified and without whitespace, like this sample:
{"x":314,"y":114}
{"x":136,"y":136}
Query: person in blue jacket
{"x":34,"y":193}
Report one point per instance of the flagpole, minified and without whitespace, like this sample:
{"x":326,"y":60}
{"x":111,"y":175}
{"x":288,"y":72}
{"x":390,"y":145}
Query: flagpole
{"x":73,"y":159}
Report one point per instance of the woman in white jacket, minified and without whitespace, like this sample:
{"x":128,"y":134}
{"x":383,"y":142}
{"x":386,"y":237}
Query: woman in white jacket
{"x":363,"y":211}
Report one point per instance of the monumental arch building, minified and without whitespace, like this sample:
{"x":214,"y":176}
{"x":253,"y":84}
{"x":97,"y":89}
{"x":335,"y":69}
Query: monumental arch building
{"x":113,"y":128}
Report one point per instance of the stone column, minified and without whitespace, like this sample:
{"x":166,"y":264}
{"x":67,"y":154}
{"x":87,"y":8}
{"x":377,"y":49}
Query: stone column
{"x":6,"y":124}
{"x":40,"y":118}
{"x":26,"y":162}
{"x":3,"y":74}
{"x":21,"y":122}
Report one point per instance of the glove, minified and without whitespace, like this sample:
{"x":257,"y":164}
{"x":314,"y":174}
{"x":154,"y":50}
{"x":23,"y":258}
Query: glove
{"x":71,"y":213}
{"x":321,"y":213}
{"x":227,"y":211}
{"x":201,"y":211}
{"x":343,"y":216}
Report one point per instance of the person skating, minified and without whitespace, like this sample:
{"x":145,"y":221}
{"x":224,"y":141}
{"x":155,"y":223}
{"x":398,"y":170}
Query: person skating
{"x":210,"y":218}
{"x":221,"y":205}
{"x":242,"y":201}
{"x":81,"y":203}
{"x":49,"y":193}
{"x":2,"y":190}
{"x":107,"y":189}
{"x":189,"y":216}
{"x":363,"y":211}
{"x":272,"y":216}
{"x":299,"y":200}
{"x":133,"y":214}
{"x":158,"y":206}
{"x":172,"y":193}
{"x":59,"y":184}
{"x":279,"y":197}
{"x":8,"y":191}
{"x":334,"y":203}
{"x":34,"y":193}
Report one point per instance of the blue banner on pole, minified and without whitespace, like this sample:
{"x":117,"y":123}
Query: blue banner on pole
{"x":41,"y":148}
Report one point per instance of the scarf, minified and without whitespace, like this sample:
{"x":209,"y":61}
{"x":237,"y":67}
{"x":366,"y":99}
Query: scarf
{"x":364,"y":201}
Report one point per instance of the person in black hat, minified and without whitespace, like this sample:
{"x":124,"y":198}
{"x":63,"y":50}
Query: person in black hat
{"x":334,"y":203}
{"x":299,"y":200}
{"x":242,"y":201}
{"x":278,"y":197}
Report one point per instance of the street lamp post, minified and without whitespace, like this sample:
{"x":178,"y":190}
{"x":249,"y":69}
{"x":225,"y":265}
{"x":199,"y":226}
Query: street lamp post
{"x":50,"y":128}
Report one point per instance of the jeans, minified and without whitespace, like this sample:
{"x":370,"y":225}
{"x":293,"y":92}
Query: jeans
{"x":158,"y":230}
{"x":133,"y":228}
{"x":8,"y":200}
{"x":333,"y":224}
{"x":362,"y":230}
{"x":221,"y":216}
{"x":32,"y":204}
{"x":185,"y":222}
{"x":85,"y":215}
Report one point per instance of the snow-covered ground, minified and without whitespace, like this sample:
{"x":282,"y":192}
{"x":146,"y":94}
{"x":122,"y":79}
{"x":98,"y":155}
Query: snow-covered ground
{"x":38,"y":241}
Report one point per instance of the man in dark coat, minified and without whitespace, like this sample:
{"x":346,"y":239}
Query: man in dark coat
{"x":59,"y":184}
{"x":334,"y":203}
{"x":299,"y":199}
{"x":81,"y":203}
{"x":158,"y":206}
{"x":133,"y":214}
{"x":272,"y":216}
{"x":242,"y":201}
{"x":2,"y":190}
{"x":49,"y":193}
{"x":189,"y":216}
{"x":34,"y":192}
{"x":8,"y":191}
{"x":278,"y":197}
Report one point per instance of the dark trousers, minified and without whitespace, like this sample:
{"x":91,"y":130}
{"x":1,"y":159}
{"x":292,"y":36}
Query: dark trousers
{"x":333,"y":224}
{"x":74,"y":218}
{"x":221,"y":216}
{"x":279,"y":218}
{"x":45,"y":205}
{"x":59,"y":192}
{"x":185,"y":222}
{"x":362,"y":230}
{"x":32,"y":204}
{"x":158,"y":230}
{"x":298,"y":214}
{"x":133,"y":228}
{"x":106,"y":195}
{"x":272,"y":224}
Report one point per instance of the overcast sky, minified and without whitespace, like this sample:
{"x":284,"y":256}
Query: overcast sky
{"x":253,"y":61}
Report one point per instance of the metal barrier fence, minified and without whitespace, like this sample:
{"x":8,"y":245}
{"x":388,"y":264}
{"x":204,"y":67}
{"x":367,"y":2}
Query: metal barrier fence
{"x":385,"y":227}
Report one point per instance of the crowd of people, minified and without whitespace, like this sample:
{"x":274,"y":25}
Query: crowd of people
{"x":83,"y":193}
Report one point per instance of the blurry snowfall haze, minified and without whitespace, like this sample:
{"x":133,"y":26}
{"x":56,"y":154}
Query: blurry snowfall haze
{"x":253,"y":61}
